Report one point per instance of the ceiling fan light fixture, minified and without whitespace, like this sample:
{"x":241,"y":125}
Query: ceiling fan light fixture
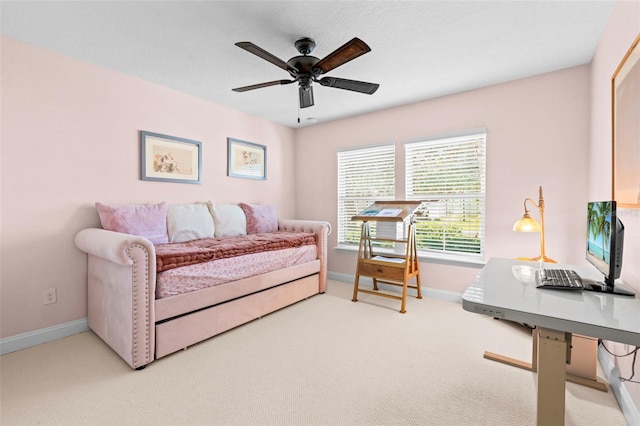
{"x":305,"y":92}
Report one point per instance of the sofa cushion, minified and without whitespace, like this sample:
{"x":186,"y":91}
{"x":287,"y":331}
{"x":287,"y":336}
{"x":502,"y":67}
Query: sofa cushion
{"x":186,"y":222}
{"x":229,"y":220}
{"x":260,"y":218}
{"x":144,"y":220}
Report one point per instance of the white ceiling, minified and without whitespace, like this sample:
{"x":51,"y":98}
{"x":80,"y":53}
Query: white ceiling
{"x":419,"y":49}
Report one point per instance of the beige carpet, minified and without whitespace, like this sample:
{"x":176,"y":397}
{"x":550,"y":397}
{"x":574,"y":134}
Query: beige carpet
{"x":323,"y":361}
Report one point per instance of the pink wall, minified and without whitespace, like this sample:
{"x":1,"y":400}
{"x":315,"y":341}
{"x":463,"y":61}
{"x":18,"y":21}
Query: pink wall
{"x":535,"y":127}
{"x":70,"y":138}
{"x":621,"y":31}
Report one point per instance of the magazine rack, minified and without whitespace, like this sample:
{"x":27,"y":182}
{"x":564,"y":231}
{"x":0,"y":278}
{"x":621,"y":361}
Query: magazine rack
{"x":393,"y":269}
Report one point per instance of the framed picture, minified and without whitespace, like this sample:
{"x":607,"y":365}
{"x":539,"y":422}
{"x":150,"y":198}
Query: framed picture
{"x":246,"y":159}
{"x":625,"y":93}
{"x":170,"y":159}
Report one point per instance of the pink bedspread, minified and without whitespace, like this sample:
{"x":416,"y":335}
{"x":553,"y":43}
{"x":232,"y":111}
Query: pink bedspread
{"x":203,"y":275}
{"x":175,"y":255}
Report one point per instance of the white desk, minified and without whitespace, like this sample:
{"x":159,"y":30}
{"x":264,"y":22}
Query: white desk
{"x":505,"y":288}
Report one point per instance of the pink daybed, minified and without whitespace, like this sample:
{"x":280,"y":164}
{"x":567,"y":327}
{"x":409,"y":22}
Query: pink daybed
{"x":142,"y":321}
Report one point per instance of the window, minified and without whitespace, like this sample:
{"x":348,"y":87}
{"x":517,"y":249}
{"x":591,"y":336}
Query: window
{"x":448,"y":175}
{"x":365,"y":175}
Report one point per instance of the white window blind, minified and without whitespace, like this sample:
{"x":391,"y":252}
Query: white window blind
{"x":448,"y":175}
{"x":365,"y":175}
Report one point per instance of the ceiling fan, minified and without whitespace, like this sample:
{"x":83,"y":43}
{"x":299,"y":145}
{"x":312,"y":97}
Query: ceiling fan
{"x":306,"y":69}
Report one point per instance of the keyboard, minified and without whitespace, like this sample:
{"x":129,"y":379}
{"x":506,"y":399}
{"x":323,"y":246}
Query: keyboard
{"x":561,"y":279}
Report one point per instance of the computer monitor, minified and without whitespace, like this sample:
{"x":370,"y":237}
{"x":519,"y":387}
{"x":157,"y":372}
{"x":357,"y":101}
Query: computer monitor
{"x":605,"y":241}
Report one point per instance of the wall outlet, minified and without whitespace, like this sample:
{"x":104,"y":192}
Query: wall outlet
{"x":49,"y":296}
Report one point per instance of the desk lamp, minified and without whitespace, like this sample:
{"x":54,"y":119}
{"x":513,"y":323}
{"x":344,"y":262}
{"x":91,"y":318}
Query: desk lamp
{"x":528,"y":224}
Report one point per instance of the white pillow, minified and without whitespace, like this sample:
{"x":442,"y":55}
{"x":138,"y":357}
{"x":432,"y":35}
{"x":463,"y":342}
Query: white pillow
{"x":229,"y":219}
{"x":186,"y":222}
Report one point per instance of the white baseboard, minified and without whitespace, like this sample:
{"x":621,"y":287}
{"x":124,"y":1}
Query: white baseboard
{"x":44,"y":335}
{"x":627,"y":406}
{"x":433,"y":293}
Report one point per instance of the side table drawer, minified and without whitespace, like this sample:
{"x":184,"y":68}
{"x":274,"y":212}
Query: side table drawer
{"x":376,"y":270}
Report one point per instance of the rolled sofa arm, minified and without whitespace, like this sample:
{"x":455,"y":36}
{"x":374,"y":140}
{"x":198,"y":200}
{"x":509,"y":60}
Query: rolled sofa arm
{"x":322,"y":229}
{"x":110,"y":245}
{"x":121,"y":276}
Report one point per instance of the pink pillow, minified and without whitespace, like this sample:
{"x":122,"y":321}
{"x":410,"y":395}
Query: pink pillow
{"x":144,"y":220}
{"x":260,"y":218}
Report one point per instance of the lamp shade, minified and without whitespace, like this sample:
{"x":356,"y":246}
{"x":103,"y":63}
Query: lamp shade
{"x":527,"y":224}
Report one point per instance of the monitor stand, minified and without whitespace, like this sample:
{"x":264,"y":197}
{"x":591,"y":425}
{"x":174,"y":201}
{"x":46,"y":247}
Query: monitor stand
{"x":601,"y":287}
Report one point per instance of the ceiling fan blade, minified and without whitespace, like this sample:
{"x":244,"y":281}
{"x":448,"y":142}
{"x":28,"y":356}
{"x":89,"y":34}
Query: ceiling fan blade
{"x":261,"y":85}
{"x":348,"y":51}
{"x":258,"y":51}
{"x":306,"y":96}
{"x":356,"y":86}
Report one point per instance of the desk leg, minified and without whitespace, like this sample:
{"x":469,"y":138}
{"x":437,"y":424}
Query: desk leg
{"x":552,"y":359}
{"x":533,"y":365}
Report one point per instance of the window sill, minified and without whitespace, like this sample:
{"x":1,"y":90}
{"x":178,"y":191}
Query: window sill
{"x":443,"y":259}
